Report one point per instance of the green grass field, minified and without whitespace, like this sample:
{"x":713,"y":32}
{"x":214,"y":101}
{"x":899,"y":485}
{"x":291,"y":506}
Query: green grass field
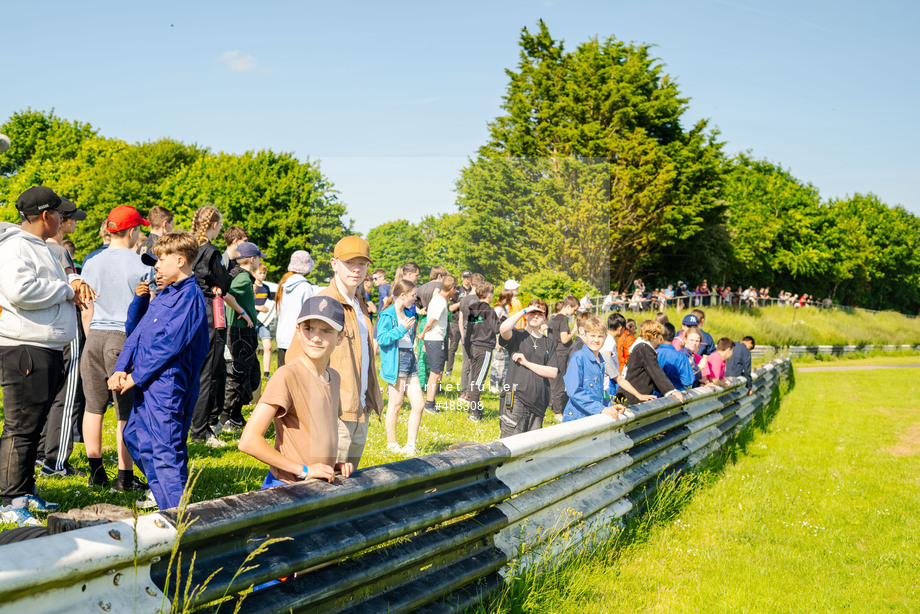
{"x":810,"y":326}
{"x":816,"y":512}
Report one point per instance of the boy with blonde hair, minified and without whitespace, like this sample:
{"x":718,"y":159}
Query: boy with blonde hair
{"x":584,"y":376}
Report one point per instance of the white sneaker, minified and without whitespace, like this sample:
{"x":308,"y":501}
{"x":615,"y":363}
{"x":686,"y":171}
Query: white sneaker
{"x":214,"y":442}
{"x":395,"y":448}
{"x":148,"y":502}
{"x":409,"y":450}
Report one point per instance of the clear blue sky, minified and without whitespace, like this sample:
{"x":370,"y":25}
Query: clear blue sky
{"x":392,"y":97}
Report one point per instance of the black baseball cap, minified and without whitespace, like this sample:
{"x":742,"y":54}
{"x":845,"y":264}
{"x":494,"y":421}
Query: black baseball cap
{"x":465,"y":274}
{"x":38,"y":199}
{"x":323,"y":308}
{"x":78,"y":215}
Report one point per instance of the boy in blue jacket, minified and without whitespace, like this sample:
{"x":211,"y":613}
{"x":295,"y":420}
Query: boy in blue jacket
{"x":584,"y":377}
{"x":161,"y":360}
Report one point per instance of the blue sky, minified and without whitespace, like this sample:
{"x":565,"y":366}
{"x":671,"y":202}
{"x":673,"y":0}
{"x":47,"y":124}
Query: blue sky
{"x":392,"y":97}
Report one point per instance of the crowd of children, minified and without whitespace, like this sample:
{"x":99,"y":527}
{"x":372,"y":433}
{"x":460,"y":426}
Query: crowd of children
{"x":174,"y":337}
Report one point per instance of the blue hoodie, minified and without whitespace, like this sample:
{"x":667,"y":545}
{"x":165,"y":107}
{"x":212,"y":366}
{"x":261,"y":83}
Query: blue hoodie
{"x":389,"y":332}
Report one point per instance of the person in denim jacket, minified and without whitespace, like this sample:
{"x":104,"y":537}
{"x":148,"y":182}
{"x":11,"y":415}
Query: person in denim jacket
{"x":584,"y":377}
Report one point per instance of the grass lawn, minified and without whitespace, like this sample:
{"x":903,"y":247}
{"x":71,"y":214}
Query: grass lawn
{"x":817,"y":512}
{"x":809,"y":326}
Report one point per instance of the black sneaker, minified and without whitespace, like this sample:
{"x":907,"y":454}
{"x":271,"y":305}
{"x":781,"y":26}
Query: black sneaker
{"x":432,"y":409}
{"x":102,"y":482}
{"x":131,"y":485}
{"x":475,"y":415}
{"x":67,"y":471}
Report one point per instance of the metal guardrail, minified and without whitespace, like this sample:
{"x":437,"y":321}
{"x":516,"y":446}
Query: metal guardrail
{"x":434,"y":534}
{"x":796,"y":351}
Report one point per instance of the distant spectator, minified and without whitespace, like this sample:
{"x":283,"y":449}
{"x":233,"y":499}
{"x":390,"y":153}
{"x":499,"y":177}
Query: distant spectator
{"x":608,"y":303}
{"x":643,"y":370}
{"x":379,"y":278}
{"x":674,"y":364}
{"x":161,"y":223}
{"x":293,"y":292}
{"x":713,"y":365}
{"x":740,"y":362}
{"x":233,"y":237}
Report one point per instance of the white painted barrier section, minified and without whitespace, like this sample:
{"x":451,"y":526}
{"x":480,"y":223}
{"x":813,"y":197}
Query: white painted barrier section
{"x":88,"y":570}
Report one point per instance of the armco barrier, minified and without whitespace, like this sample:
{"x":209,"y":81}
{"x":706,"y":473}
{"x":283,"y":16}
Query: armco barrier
{"x":836,"y":350}
{"x":433,"y":534}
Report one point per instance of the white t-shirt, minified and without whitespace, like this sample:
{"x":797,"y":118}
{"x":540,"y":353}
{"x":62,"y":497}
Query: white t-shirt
{"x":405,"y":342}
{"x":609,"y":347}
{"x":365,"y":350}
{"x":437,"y":310}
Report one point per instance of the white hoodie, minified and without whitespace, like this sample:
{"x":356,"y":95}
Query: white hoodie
{"x":294,"y":293}
{"x":34,"y":293}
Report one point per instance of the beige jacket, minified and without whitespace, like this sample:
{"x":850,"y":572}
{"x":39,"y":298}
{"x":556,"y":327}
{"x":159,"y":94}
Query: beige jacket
{"x":346,"y":359}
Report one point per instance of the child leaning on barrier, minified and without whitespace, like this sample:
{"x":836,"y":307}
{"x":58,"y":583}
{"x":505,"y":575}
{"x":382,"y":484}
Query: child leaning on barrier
{"x":584,"y":376}
{"x":302,"y":400}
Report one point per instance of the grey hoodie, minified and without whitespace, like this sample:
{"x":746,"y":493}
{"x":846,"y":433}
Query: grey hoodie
{"x":34,"y":293}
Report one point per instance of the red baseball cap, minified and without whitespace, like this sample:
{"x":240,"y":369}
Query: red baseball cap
{"x":123,"y":217}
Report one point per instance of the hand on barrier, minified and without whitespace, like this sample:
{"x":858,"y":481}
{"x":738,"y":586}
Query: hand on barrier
{"x":345,"y":469}
{"x":618,"y":411}
{"x":322,"y":471}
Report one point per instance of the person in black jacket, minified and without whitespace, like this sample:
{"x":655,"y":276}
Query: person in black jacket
{"x":481,"y":330}
{"x":740,"y":362}
{"x":214,"y":280}
{"x":643,"y":370}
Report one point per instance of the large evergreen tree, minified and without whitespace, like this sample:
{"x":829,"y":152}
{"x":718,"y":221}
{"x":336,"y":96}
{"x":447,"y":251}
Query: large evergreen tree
{"x":605,"y":102}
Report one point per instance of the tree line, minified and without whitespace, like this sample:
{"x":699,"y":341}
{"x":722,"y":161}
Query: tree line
{"x":592,"y":173}
{"x":589,"y":179}
{"x":284,"y":204}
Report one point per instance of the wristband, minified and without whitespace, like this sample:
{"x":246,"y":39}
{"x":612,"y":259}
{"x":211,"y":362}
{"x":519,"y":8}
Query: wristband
{"x":303,"y":474}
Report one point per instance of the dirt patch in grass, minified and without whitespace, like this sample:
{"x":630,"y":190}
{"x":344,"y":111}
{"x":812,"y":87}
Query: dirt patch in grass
{"x":909,"y":442}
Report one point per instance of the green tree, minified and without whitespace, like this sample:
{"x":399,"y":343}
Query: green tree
{"x":776,"y":225}
{"x":284,"y":204}
{"x":394,"y":244}
{"x":876,"y":253}
{"x":442,"y":246}
{"x":606,"y":101}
